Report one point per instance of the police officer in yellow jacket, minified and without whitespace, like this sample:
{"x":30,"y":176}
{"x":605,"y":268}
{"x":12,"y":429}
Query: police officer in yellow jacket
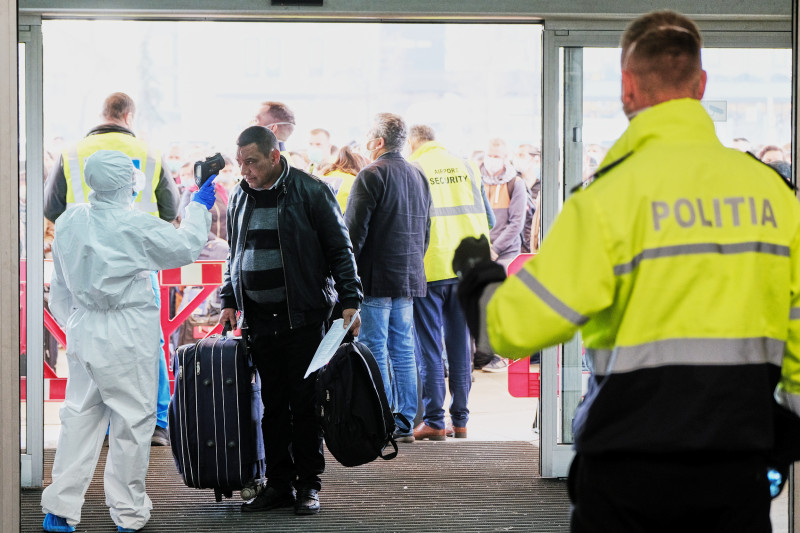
{"x":457,"y":211}
{"x":66,"y":186}
{"x":680,"y":265}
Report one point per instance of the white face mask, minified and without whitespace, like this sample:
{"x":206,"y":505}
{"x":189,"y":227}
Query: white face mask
{"x":138,"y":181}
{"x":520,"y":164}
{"x":315,"y":155}
{"x":492,"y":164}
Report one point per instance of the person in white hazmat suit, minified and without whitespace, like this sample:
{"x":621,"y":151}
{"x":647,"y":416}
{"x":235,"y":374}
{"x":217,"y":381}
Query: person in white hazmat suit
{"x":103,"y":254}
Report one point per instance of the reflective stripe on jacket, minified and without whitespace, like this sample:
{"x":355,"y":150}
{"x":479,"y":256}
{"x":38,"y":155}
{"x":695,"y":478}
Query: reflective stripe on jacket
{"x":681,"y":267}
{"x":457,"y":209}
{"x":146,"y":161}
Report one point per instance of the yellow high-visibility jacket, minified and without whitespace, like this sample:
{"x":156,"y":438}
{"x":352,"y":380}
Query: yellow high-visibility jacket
{"x":149,"y":162}
{"x":680,"y":265}
{"x":457,"y":209}
{"x":341,"y":182}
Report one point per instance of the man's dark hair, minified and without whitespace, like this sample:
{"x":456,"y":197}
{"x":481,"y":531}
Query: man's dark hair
{"x":117,"y":106}
{"x":663,"y":49}
{"x":392,"y":129}
{"x":264,"y":139}
{"x":784,"y":169}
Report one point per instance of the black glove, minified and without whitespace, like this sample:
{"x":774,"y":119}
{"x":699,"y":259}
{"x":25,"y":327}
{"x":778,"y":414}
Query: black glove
{"x":786,"y":448}
{"x":473,"y":264}
{"x":469,"y":253}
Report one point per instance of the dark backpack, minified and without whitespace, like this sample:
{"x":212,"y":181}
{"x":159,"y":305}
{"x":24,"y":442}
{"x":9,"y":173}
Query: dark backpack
{"x":352,"y":407}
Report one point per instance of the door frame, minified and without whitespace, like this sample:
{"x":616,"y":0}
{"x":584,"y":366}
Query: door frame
{"x":32,"y":461}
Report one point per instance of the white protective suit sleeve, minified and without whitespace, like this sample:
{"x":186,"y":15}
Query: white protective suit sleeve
{"x":60,"y":301}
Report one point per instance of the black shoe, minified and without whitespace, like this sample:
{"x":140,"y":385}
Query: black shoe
{"x":403,"y":436}
{"x":160,"y":437}
{"x":268,"y":499}
{"x":307,"y":502}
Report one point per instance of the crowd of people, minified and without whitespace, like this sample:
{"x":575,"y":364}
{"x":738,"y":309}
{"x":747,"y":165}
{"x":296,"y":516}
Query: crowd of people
{"x":375,"y":226}
{"x":388,"y":214}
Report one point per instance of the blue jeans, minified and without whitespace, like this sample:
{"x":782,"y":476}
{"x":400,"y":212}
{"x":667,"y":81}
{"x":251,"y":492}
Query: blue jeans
{"x":387,"y":329}
{"x":440,"y":307}
{"x":162,"y":404}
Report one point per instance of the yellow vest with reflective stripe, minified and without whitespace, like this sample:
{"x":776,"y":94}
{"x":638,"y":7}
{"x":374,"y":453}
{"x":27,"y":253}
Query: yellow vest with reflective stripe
{"x":638,"y":256}
{"x":146,"y":161}
{"x":344,"y":182}
{"x":457,"y":209}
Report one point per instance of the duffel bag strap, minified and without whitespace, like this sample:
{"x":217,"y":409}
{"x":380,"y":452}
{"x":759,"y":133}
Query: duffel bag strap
{"x":390,"y":455}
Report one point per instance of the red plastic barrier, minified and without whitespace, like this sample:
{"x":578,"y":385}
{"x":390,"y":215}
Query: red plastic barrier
{"x":516,"y":264}
{"x":522,"y":383}
{"x":207,"y":274}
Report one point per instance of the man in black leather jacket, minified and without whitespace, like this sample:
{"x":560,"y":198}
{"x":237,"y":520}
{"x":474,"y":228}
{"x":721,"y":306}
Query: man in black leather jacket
{"x":288,"y":249}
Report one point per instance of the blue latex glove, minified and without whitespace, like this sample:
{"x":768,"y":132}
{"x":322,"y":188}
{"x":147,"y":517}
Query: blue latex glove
{"x":206,"y":195}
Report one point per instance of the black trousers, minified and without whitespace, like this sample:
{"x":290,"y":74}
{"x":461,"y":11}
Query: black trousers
{"x":292,"y":435}
{"x":702,"y":492}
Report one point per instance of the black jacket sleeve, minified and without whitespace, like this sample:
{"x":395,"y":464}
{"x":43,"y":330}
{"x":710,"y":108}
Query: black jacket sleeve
{"x":338,"y":249}
{"x":55,"y":192}
{"x":167,"y":195}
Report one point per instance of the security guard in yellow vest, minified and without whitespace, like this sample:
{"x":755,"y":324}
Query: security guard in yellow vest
{"x":65,"y":185}
{"x":680,"y":265}
{"x":457,"y":211}
{"x":279,"y":119}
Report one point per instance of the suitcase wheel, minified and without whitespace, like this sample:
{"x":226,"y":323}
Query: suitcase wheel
{"x":218,"y":495}
{"x":251,"y":490}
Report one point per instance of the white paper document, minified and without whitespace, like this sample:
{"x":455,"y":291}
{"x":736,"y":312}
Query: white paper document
{"x":329,"y":344}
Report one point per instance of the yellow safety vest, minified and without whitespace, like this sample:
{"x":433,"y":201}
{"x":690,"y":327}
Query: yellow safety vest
{"x":146,"y":161}
{"x":457,"y":209}
{"x":680,"y":264}
{"x":341,"y":182}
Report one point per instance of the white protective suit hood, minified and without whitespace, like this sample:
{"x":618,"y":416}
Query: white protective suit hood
{"x":110,"y":175}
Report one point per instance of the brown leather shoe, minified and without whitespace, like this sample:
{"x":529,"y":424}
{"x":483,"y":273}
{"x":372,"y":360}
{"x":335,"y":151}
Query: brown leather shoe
{"x":452,"y":431}
{"x":424,"y":431}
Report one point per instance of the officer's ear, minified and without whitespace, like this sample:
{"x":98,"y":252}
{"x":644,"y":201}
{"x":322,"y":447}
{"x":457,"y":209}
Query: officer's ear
{"x":701,"y":85}
{"x":628,"y":89}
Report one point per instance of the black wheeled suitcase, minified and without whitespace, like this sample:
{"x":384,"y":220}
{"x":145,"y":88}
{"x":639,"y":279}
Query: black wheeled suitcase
{"x":215,"y":417}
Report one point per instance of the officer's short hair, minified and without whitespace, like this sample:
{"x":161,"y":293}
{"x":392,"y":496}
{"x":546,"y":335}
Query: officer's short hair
{"x":497,"y":142}
{"x":421,"y":133}
{"x":391,"y":128}
{"x":323,"y":131}
{"x":263,"y":138}
{"x":117,"y":106}
{"x":663,"y":49}
{"x":280,"y":112}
